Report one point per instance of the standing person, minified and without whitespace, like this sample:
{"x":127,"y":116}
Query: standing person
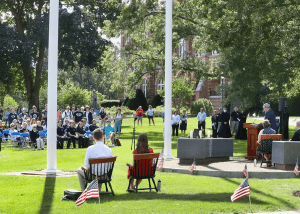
{"x":98,"y":150}
{"x":44,"y":114}
{"x":118,"y":121}
{"x":73,"y":112}
{"x":234,"y":122}
{"x":201,"y":120}
{"x":102,"y":115}
{"x":78,"y":115}
{"x":150,"y":115}
{"x":242,"y":132}
{"x":142,"y":147}
{"x":175,"y":123}
{"x":88,"y":115}
{"x":6,"y":116}
{"x":270,"y":115}
{"x":219,"y":118}
{"x":72,"y":134}
{"x":59,"y":115}
{"x":67,"y":114}
{"x":225,"y":128}
{"x":12,"y":116}
{"x":94,"y":114}
{"x":139,"y":115}
{"x":35,"y":114}
{"x":1,"y":113}
{"x":214,"y":124}
{"x":183,"y":123}
{"x":23,"y":115}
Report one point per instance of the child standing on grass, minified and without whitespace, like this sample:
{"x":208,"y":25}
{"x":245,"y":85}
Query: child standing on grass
{"x":150,"y":115}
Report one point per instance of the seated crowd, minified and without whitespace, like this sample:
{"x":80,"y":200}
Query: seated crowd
{"x":72,"y":126}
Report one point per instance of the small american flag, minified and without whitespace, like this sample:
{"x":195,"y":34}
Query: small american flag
{"x":296,"y":170}
{"x":192,"y":167}
{"x":245,"y":171}
{"x":242,"y":191}
{"x":90,"y":192}
{"x":161,"y":155}
{"x":161,"y":164}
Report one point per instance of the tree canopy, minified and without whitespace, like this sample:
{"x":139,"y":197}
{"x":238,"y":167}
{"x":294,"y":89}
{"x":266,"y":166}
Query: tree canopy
{"x":24,"y":36}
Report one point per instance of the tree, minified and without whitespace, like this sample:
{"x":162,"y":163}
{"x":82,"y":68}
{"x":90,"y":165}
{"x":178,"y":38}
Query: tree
{"x":201,"y":103}
{"x":182,"y":91}
{"x":141,"y":24}
{"x":139,"y":100}
{"x":26,"y":38}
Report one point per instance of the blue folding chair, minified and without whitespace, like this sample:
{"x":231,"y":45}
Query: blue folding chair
{"x":5,"y":139}
{"x":24,"y":136}
{"x":43,"y":136}
{"x":14,"y":139}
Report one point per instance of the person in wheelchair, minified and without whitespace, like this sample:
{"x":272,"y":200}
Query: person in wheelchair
{"x":108,"y":131}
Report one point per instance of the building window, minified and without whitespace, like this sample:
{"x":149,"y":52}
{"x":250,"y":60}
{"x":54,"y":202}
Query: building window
{"x":145,"y":88}
{"x":215,"y":52}
{"x":160,"y":85}
{"x":182,"y":48}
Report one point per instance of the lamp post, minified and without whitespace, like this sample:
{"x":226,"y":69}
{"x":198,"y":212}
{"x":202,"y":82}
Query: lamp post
{"x":222,"y":90}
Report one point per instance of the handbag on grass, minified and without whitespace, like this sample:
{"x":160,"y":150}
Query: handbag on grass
{"x":71,"y":194}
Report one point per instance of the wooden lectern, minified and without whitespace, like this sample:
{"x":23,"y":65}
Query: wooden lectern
{"x":252,"y":137}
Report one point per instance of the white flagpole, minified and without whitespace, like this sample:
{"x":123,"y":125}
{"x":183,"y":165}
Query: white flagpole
{"x":168,"y":81}
{"x":52,"y":87}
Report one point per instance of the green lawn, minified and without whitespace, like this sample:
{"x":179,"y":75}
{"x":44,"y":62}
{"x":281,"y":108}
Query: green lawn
{"x":180,"y":193}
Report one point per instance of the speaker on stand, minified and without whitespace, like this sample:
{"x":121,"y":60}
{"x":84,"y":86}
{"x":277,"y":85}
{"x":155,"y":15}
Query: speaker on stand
{"x":284,"y":117}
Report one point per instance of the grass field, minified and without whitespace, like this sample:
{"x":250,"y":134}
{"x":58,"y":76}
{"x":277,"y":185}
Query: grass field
{"x":180,"y":193}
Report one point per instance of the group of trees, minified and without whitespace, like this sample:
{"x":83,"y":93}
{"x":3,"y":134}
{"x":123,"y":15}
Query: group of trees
{"x":259,"y":42}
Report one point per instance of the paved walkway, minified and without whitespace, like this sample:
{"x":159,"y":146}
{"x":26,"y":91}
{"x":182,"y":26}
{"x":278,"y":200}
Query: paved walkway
{"x":42,"y":173}
{"x":229,"y":169}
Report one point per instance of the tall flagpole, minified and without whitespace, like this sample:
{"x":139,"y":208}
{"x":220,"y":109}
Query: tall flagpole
{"x":52,"y":86}
{"x":168,"y":81}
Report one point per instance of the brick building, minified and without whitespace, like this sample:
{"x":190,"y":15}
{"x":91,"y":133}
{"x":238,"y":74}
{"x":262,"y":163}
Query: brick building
{"x":204,"y":88}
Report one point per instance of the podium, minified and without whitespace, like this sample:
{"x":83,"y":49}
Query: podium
{"x":252,"y":137}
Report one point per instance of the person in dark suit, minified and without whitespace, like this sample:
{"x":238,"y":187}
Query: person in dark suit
{"x":296,"y":136}
{"x":214,"y":124}
{"x":270,"y":115}
{"x":225,"y":128}
{"x":242,"y":132}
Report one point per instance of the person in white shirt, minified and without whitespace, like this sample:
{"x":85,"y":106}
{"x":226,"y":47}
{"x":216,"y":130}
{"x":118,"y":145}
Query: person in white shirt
{"x":201,"y":120}
{"x":150,"y":115}
{"x":98,"y":150}
{"x":29,"y":127}
{"x":175,"y":123}
{"x":67,"y":114}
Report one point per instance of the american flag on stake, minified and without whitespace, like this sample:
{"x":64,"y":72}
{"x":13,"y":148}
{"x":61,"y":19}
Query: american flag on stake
{"x":161,"y":164}
{"x":90,"y":192}
{"x":242,"y":191}
{"x":245,"y":171}
{"x":296,"y":170}
{"x":192,"y":167}
{"x":161,"y":155}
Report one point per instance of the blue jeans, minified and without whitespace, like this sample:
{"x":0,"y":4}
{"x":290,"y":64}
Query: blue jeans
{"x":118,"y":126}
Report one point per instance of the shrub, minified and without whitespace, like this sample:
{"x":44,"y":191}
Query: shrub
{"x":139,"y":100}
{"x":113,"y":110}
{"x":204,"y":103}
{"x":125,"y":101}
{"x":110,"y":103}
{"x":157,"y":101}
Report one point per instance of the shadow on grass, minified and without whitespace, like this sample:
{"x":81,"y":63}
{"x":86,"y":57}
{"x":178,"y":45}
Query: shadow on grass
{"x":204,"y":197}
{"x":47,"y":195}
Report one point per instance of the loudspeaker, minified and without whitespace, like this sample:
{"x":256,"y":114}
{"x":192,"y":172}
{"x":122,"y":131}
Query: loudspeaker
{"x":282,"y":103}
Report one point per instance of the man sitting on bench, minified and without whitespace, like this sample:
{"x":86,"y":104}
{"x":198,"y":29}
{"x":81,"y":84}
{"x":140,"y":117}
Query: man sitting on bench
{"x":296,"y":136}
